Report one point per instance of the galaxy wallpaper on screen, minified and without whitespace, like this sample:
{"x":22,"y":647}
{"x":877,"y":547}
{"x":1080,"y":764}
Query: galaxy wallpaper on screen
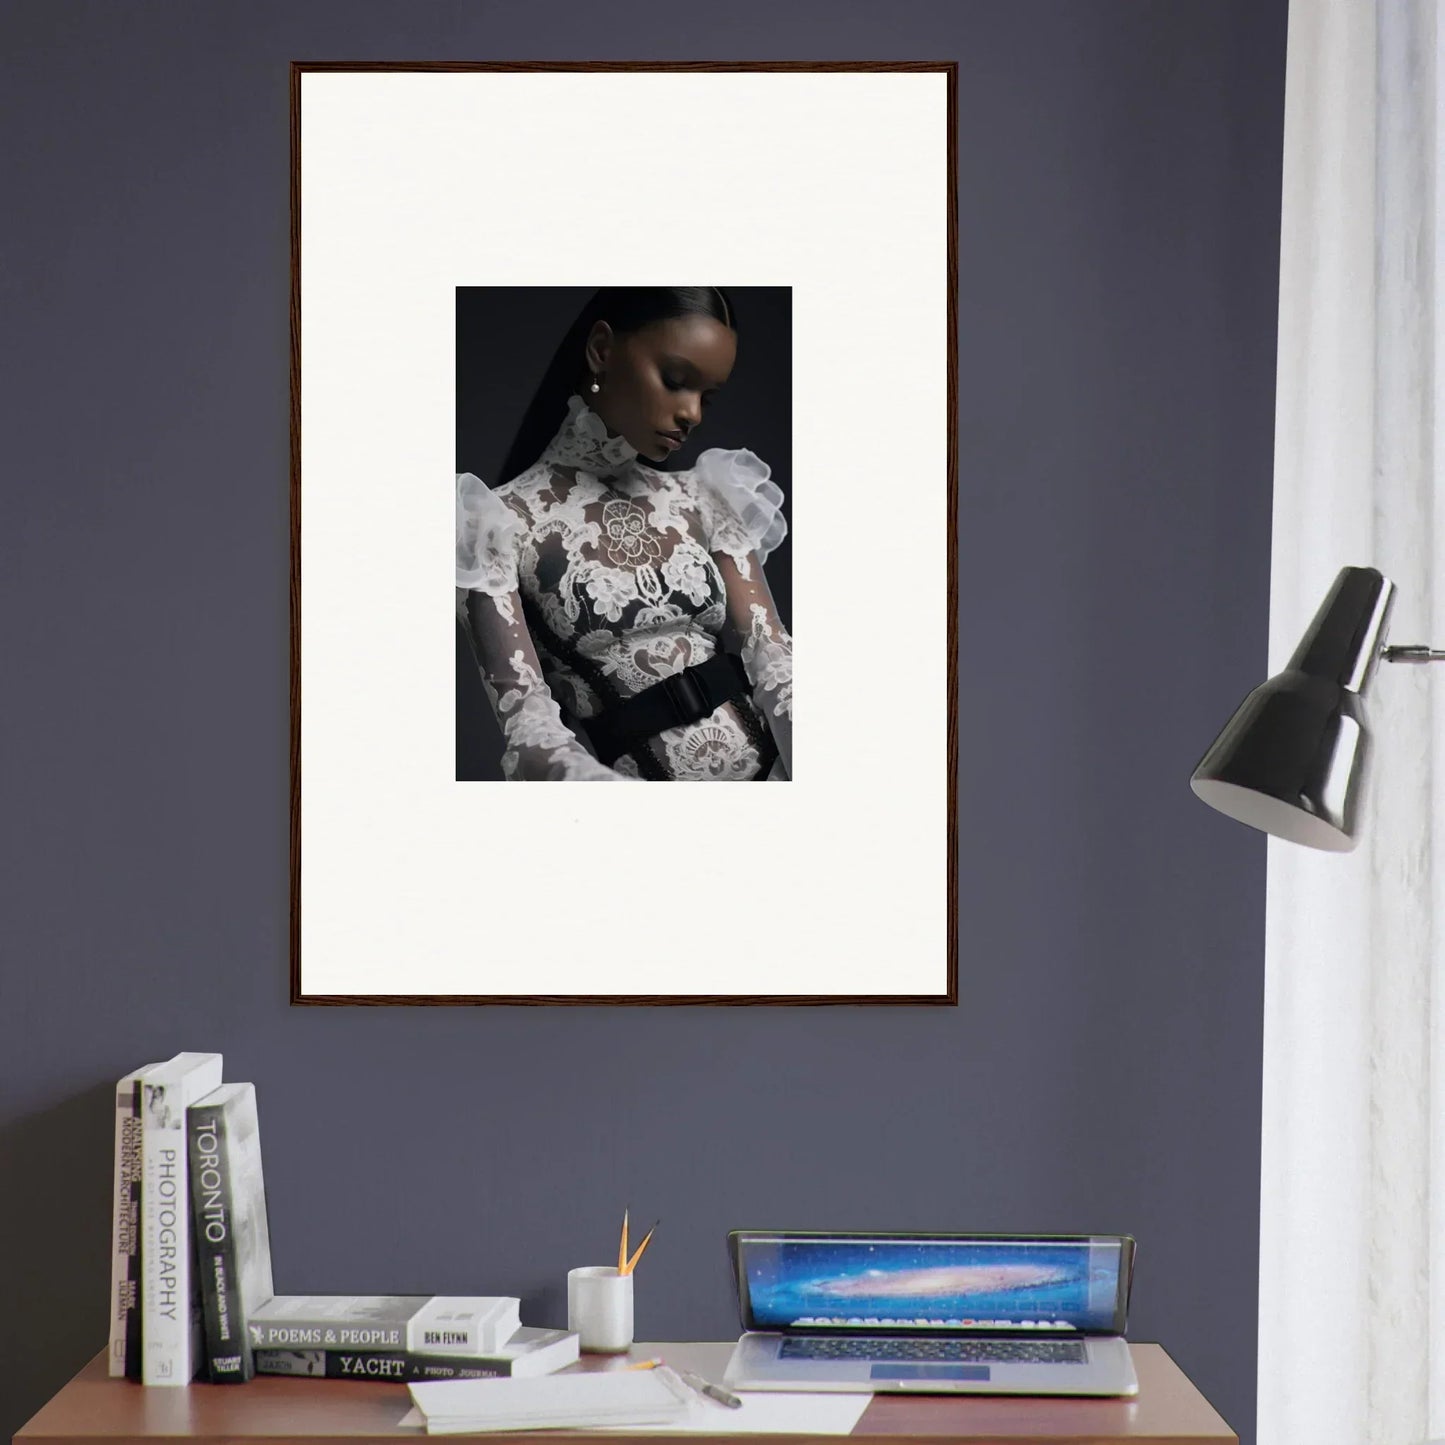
{"x":932,"y":1284}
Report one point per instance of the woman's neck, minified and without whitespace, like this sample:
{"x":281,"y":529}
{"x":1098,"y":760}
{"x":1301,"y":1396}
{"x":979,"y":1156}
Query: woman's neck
{"x":583,"y":444}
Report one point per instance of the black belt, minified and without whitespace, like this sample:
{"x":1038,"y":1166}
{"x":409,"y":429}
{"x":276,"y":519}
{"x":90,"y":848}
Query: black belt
{"x":687,"y":696}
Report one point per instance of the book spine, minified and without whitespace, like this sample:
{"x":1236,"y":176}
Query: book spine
{"x":125,"y":1232}
{"x":401,"y":1365}
{"x":134,"y":1332}
{"x":218,"y":1264}
{"x":166,"y":1278}
{"x":320,"y":1333}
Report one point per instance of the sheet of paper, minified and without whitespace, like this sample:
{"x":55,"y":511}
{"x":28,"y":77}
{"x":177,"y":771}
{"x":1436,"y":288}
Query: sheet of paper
{"x":766,"y":1412}
{"x":763,"y":1411}
{"x":581,"y":1399}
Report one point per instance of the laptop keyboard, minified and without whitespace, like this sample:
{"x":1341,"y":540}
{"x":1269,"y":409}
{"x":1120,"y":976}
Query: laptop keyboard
{"x":982,"y":1352}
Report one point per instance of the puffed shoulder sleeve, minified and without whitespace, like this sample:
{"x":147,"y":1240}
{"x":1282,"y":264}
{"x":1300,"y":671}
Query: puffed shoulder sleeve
{"x":741,"y":510}
{"x":488,"y":535}
{"x":740,"y":504}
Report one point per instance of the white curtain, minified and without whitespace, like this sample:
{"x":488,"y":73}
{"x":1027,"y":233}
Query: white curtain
{"x":1352,"y":1227}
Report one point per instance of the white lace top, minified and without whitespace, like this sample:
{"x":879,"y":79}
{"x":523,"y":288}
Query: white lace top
{"x":590,"y":576}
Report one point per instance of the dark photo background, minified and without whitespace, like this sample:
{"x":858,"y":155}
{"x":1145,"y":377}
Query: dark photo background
{"x":506,"y":336}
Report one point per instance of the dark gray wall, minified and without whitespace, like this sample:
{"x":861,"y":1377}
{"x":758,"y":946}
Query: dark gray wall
{"x":1119,"y":179}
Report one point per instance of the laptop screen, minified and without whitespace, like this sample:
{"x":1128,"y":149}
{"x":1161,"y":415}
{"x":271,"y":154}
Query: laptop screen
{"x":998,"y":1284}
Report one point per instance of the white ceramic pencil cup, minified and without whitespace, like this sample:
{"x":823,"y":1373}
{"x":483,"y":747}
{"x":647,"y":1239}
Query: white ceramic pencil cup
{"x":599,"y":1308}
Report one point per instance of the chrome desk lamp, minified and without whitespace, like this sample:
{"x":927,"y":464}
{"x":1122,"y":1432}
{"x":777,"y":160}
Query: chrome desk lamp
{"x":1293,"y":758}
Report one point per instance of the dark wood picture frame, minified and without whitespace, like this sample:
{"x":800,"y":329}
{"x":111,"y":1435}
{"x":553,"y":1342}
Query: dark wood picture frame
{"x":949,"y":995}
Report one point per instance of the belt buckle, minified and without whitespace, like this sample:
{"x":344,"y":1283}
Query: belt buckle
{"x":686,"y":694}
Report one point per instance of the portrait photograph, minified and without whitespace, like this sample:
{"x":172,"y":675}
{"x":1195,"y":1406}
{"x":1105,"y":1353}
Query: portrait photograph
{"x":624,"y":580}
{"x":662,"y":502}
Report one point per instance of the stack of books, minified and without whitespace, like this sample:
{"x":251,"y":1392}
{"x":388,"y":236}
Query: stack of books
{"x":403,"y":1338}
{"x":191,"y":1283}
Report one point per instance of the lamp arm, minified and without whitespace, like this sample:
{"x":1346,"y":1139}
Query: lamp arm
{"x":1413,"y":653}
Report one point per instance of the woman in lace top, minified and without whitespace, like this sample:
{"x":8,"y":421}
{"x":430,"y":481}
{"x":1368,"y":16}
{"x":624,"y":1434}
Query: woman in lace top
{"x":618,"y":611}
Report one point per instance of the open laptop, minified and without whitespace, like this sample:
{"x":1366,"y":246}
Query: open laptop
{"x":933,"y":1313}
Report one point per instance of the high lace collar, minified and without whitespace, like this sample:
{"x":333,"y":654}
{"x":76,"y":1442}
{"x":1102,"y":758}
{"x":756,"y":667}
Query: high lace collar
{"x":583,"y":441}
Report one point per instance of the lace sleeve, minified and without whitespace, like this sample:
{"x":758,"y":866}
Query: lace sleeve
{"x":539,"y":745}
{"x":741,"y":510}
{"x":741,"y":506}
{"x":766,"y":647}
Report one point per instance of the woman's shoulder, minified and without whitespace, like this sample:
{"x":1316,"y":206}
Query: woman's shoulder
{"x":489,"y":530}
{"x":743,"y":505}
{"x":515,"y":495}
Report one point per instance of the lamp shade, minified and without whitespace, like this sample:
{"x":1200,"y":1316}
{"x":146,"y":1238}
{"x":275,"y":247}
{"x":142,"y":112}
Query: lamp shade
{"x":1292,"y":759}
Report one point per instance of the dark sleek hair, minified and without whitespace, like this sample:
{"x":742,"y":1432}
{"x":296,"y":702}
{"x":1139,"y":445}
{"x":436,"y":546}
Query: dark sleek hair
{"x":625,"y":309}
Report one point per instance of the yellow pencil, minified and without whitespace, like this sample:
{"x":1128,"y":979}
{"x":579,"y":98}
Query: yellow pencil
{"x":622,"y":1247}
{"x":646,"y":1238}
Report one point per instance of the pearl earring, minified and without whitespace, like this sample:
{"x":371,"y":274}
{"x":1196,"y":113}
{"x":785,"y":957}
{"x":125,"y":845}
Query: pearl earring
{"x":595,"y":386}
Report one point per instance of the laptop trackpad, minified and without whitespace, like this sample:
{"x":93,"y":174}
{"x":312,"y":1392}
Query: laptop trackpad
{"x":929,"y":1372}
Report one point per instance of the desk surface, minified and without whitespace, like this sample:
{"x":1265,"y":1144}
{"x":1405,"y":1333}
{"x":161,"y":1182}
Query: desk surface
{"x":95,"y":1410}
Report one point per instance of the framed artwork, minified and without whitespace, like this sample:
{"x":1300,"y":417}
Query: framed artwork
{"x":481,"y":266}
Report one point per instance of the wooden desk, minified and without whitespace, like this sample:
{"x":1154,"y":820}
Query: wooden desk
{"x":95,"y":1410}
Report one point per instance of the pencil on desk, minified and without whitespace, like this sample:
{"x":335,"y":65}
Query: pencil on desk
{"x":632,"y":1263}
{"x":713,"y":1392}
{"x":622,"y":1246}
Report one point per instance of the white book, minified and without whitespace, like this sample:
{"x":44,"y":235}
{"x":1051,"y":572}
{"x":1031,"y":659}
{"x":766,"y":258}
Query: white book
{"x":609,"y":1397}
{"x":426,"y":1324}
{"x":170,"y":1313}
{"x":125,"y":1224}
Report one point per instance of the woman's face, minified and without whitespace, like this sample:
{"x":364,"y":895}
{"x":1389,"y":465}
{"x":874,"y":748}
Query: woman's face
{"x":656,"y":383}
